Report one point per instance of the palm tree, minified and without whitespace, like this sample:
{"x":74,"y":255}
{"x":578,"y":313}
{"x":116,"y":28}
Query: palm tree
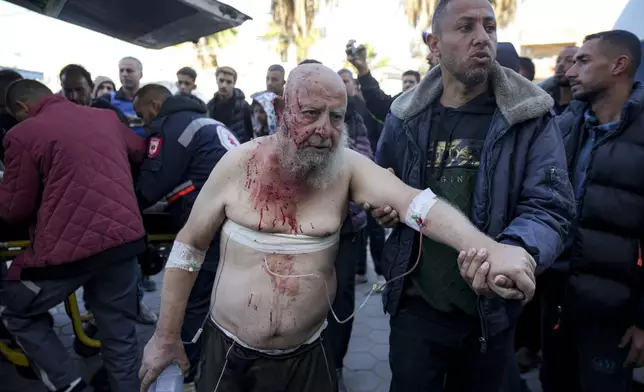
{"x":419,"y":12}
{"x":293,"y":21}
{"x":293,"y":25}
{"x":281,"y":42}
{"x":206,"y":48}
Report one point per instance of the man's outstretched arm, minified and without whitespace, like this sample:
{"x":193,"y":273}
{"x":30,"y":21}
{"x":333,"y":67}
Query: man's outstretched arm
{"x":377,"y":186}
{"x":441,"y":222}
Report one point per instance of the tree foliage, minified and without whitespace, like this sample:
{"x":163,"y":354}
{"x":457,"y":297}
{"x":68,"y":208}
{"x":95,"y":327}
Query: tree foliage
{"x":293,"y":25}
{"x":419,"y":12}
{"x":206,"y":48}
{"x":293,"y":21}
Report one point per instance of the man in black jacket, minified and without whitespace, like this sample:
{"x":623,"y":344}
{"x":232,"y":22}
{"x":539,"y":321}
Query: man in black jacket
{"x":592,"y":296}
{"x":378,"y":102}
{"x":229,"y":105}
{"x":375,"y":232}
{"x":558,"y":86}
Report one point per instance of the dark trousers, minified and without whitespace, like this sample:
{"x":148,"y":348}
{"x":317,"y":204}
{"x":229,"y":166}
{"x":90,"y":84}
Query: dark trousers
{"x":196,"y":313}
{"x":112,"y":292}
{"x":580,"y":354}
{"x":433,"y":351}
{"x":376,"y":234}
{"x":528,"y":333}
{"x":139,"y":286}
{"x":350,"y":248}
{"x":228,"y":367}
{"x":139,"y":292}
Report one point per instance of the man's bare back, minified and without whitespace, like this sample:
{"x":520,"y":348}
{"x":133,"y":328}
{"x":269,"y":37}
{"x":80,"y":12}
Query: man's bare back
{"x":264,"y":310}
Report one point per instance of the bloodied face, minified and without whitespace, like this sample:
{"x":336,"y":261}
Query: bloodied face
{"x":312,"y":126}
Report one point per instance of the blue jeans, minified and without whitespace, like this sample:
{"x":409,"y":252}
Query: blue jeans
{"x":196,"y":313}
{"x":433,"y":351}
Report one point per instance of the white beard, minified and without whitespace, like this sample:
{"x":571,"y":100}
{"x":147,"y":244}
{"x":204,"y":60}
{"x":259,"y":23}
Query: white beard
{"x":319,"y":170}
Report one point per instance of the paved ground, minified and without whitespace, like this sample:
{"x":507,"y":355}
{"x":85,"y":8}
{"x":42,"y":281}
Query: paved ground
{"x":367,"y":362}
{"x":12,"y":382}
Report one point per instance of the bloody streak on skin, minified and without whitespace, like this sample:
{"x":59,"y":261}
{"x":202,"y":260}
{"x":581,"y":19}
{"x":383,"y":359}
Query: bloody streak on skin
{"x":283,"y":265}
{"x":272,"y":193}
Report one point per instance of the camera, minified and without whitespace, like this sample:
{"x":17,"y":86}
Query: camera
{"x":353,"y":47}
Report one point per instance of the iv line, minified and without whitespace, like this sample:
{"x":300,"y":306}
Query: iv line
{"x":212,"y":305}
{"x":374,"y":288}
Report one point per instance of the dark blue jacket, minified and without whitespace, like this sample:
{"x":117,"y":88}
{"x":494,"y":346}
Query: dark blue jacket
{"x":640,"y":71}
{"x":601,"y":254}
{"x":183,"y":148}
{"x":522,"y":194}
{"x":119,"y":100}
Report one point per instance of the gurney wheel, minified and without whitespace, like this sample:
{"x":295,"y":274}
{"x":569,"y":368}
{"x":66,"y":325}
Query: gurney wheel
{"x":26,"y":372}
{"x":84,"y":350}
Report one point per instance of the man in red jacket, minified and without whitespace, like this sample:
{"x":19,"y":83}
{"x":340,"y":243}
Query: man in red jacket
{"x":68,"y":176}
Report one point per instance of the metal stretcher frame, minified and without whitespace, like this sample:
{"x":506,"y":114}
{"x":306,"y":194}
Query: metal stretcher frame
{"x":10,"y":250}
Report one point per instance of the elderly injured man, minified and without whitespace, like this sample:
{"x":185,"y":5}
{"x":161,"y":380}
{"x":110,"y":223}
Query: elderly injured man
{"x":280,"y":201}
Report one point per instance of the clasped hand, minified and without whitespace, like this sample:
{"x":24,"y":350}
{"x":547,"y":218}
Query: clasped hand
{"x":504,"y":270}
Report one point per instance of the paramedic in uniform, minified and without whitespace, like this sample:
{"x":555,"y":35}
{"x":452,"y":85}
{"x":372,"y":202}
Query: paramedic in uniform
{"x":184,"y":145}
{"x":280,"y":201}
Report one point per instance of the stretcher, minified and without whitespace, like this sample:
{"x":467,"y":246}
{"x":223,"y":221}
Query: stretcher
{"x":161,"y":234}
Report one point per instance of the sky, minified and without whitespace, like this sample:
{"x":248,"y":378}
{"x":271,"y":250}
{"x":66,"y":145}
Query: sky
{"x":64,"y":43}
{"x":382,"y":23}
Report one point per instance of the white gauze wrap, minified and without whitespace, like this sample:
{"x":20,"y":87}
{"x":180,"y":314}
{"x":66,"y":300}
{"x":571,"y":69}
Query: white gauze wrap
{"x":185,"y":257}
{"x":419,"y":208}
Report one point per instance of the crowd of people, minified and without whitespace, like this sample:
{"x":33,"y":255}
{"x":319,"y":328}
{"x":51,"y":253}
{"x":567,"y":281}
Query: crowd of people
{"x":514,"y":210}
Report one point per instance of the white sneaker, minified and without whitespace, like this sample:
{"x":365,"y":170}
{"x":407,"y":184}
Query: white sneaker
{"x":190,"y":387}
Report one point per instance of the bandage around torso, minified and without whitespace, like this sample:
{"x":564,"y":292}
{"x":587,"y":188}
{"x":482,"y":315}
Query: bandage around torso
{"x":278,"y":243}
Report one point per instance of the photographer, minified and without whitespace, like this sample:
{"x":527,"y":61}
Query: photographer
{"x":378,"y":102}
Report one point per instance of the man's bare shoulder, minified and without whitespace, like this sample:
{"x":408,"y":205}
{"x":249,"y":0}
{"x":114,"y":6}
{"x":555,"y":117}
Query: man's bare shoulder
{"x":237,"y":158}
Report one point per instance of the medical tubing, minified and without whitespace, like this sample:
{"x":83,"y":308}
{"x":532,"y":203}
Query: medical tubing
{"x":212,"y":305}
{"x":223,"y":370}
{"x":326,"y":288}
{"x":374,"y":288}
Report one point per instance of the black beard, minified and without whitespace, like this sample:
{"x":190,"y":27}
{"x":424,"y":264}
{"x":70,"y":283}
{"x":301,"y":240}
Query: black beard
{"x":473,"y":78}
{"x":562,"y":81}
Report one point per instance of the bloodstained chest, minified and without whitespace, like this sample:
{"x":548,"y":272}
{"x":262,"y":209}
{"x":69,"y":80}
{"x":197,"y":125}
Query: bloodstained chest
{"x":273,"y":195}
